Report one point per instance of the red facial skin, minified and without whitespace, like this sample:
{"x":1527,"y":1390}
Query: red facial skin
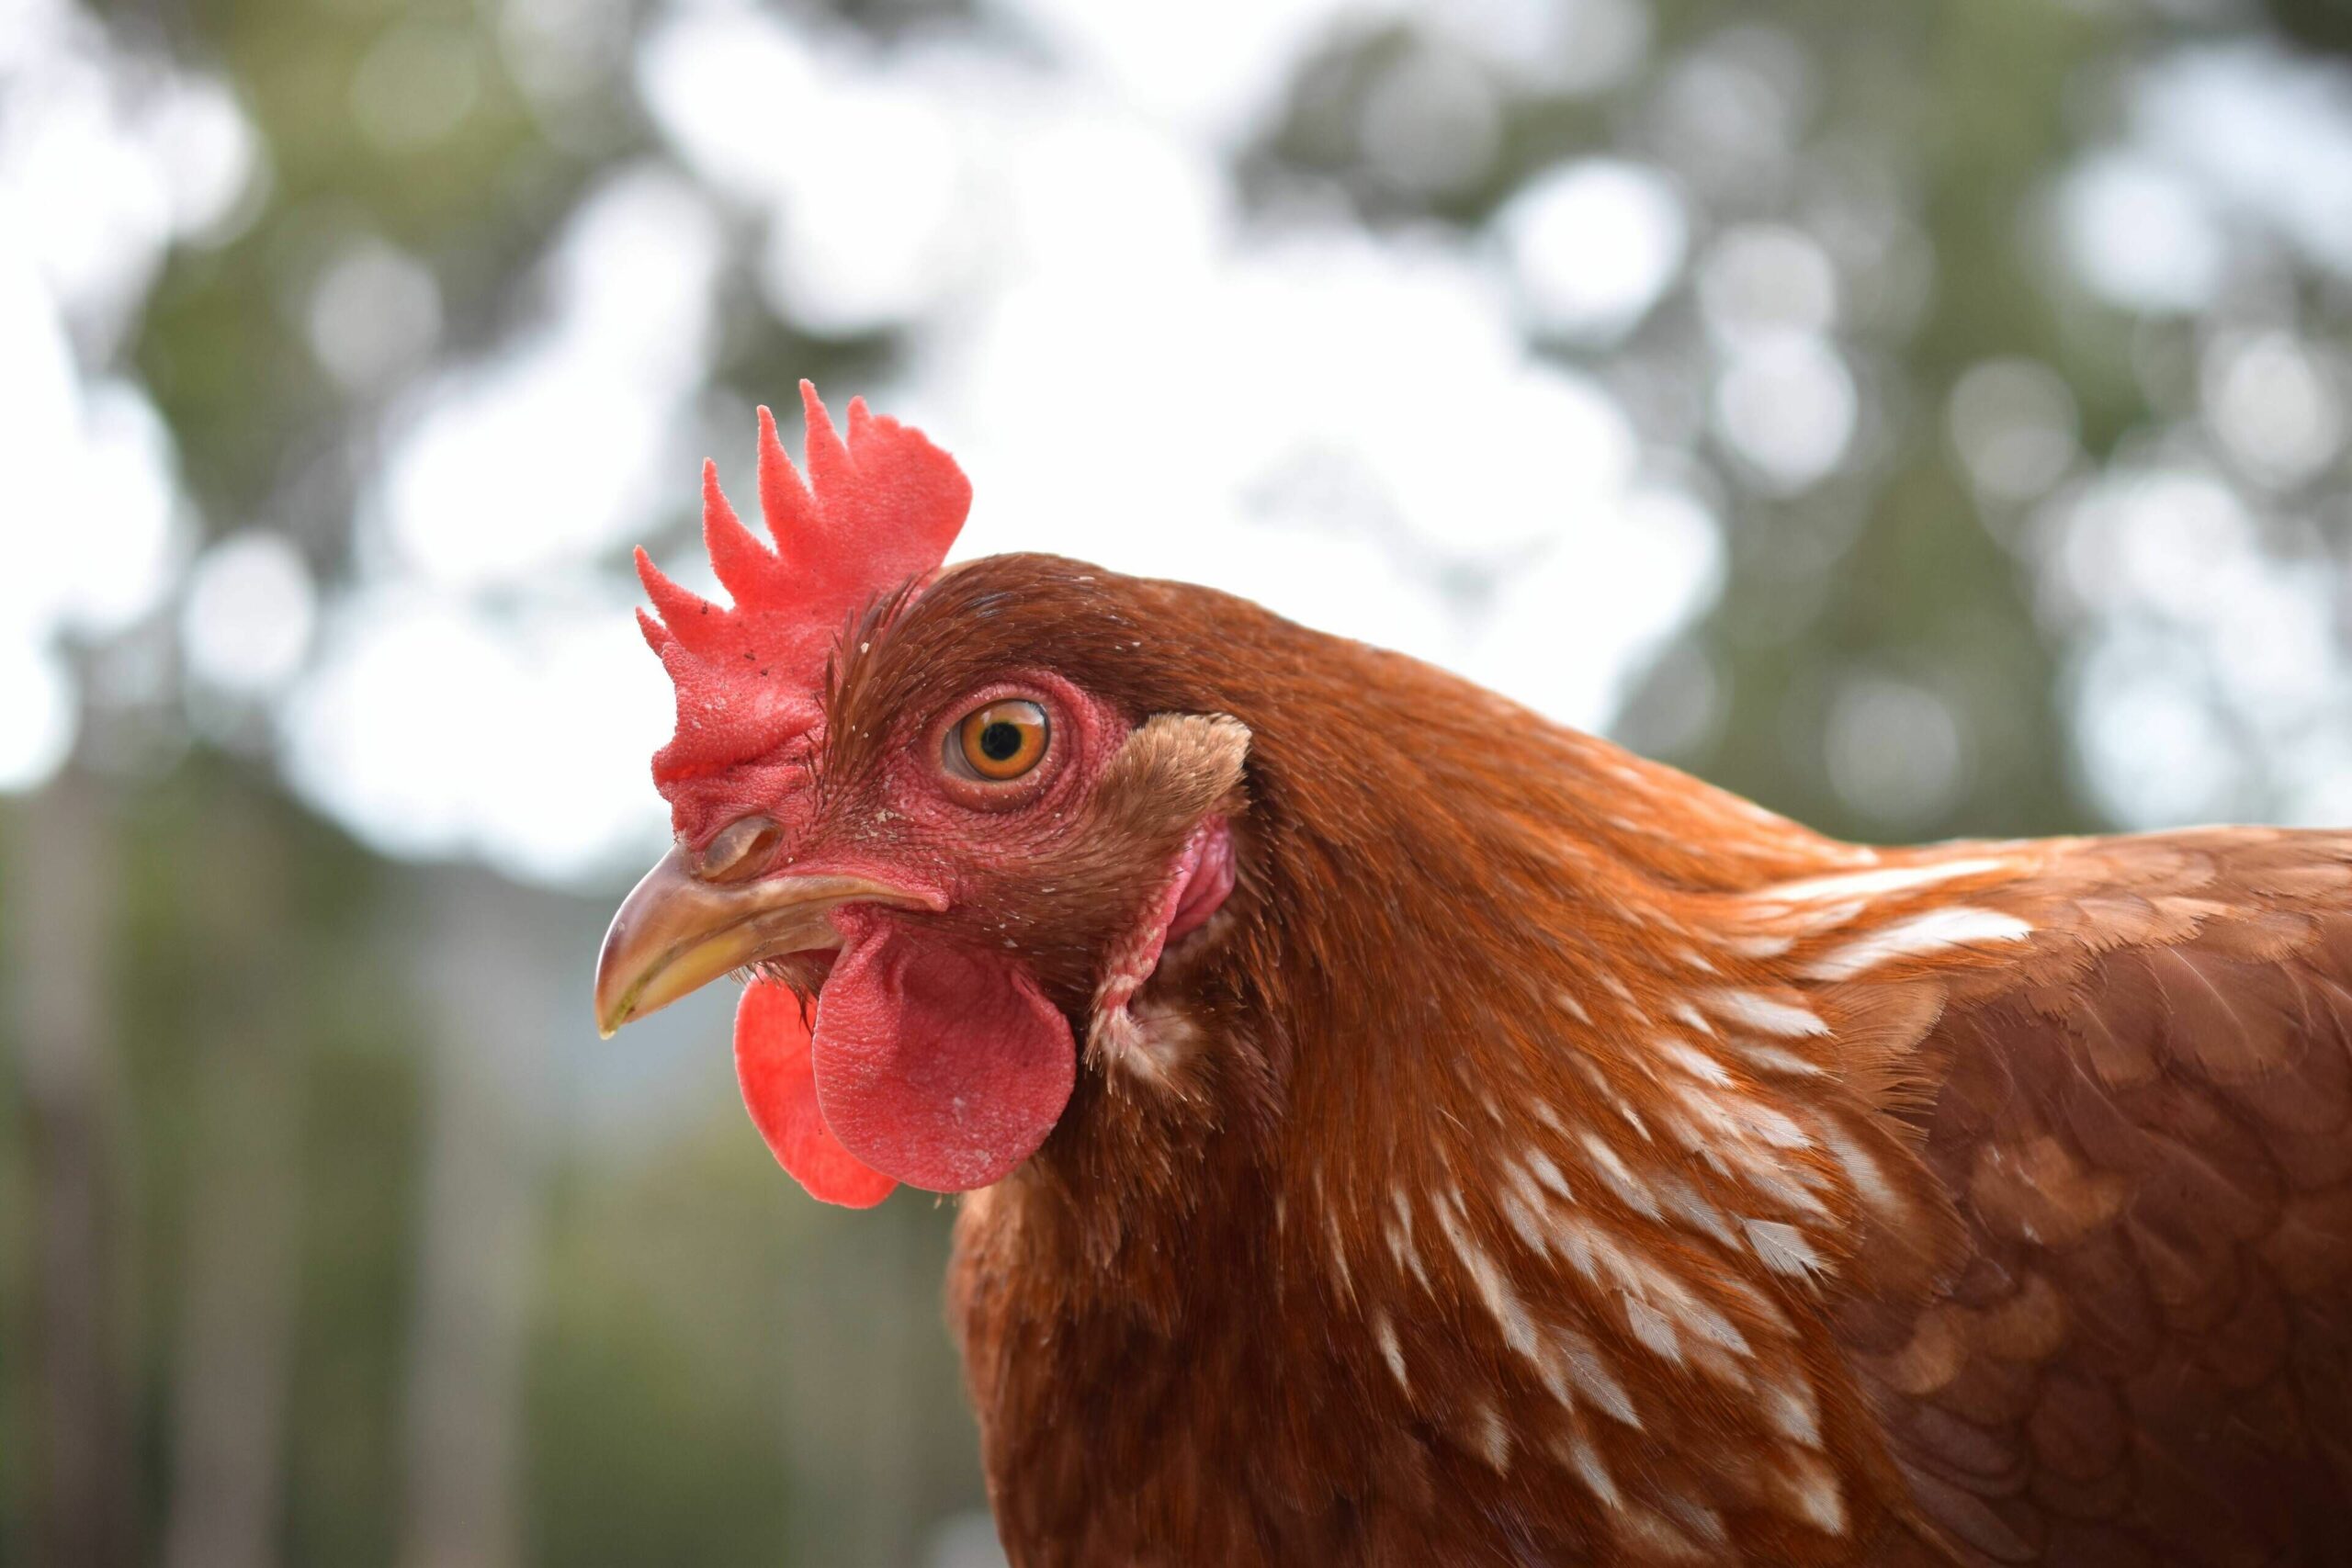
{"x":943,"y":1052}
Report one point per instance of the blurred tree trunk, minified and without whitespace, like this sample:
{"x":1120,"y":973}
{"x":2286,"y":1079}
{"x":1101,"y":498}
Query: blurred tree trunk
{"x":235,"y":1338}
{"x":862,"y":1318}
{"x":486,"y":1157}
{"x":63,"y":885}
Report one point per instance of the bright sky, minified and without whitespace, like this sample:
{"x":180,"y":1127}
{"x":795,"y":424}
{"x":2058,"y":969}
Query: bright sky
{"x":1352,"y":430}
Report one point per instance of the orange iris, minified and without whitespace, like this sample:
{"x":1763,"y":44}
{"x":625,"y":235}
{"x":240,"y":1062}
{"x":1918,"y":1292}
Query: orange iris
{"x":1002,"y":740}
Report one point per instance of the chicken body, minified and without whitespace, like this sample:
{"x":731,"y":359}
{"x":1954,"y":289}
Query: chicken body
{"x":1543,"y":1157}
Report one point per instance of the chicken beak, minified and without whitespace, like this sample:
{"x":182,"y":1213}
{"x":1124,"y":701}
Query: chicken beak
{"x":675,"y":933}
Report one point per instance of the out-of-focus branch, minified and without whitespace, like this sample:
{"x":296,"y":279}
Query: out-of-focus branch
{"x":2314,"y":24}
{"x":62,"y":877}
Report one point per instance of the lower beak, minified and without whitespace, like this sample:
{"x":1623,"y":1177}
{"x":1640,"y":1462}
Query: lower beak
{"x":675,"y":933}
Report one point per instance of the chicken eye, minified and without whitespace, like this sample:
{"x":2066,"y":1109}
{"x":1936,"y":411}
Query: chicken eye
{"x":740,"y":849}
{"x":1002,"y":740}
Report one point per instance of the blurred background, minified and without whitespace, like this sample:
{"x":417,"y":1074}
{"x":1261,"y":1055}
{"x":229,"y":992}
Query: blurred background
{"x":1929,"y":418}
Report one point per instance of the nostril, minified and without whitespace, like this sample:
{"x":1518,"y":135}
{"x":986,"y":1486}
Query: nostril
{"x":738,"y":852}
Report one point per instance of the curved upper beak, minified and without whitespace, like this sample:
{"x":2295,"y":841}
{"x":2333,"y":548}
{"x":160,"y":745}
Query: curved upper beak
{"x":675,"y":933}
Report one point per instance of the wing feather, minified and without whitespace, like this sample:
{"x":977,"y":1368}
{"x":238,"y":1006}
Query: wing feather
{"x":2139,"y":1345}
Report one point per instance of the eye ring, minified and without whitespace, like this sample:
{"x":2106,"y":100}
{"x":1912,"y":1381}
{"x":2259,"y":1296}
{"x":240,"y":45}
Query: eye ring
{"x":999,"y":741}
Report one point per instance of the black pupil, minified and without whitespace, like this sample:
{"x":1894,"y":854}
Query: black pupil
{"x":1001,"y":741}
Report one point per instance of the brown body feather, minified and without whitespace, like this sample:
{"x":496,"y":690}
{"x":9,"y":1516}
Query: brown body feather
{"x":1547,"y":1158}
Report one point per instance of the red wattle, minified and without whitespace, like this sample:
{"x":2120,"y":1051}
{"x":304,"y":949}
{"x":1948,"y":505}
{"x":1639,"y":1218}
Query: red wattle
{"x":772,"y":1063}
{"x":939,"y":1065}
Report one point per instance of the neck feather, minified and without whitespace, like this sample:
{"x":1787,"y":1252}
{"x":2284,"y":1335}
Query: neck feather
{"x":1484,"y":1080}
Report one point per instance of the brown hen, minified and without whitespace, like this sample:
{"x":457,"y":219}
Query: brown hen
{"x":1398,"y":1130}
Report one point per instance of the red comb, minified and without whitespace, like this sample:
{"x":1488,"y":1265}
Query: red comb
{"x":876,"y":510}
